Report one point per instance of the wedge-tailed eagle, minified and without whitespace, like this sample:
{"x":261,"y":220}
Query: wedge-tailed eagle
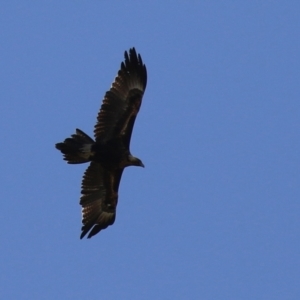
{"x":109,"y":153}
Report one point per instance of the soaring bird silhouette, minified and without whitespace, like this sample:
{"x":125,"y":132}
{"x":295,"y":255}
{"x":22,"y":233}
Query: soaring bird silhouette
{"x":109,"y":153}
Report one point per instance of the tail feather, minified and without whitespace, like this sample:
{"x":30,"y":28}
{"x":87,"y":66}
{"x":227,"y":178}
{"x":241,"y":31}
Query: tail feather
{"x":76,"y":149}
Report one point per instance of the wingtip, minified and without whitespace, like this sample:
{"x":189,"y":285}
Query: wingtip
{"x":133,"y":62}
{"x":84,"y":230}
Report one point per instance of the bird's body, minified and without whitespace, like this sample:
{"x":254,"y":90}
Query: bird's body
{"x":109,"y":153}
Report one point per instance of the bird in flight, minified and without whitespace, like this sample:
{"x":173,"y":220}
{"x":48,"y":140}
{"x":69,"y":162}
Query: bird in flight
{"x":109,"y":153}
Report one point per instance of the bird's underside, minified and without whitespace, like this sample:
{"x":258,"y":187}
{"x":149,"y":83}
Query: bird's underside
{"x":109,"y":153}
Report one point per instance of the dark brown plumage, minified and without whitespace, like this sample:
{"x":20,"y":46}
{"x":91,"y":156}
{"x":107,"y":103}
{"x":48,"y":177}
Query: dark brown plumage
{"x":109,"y":154}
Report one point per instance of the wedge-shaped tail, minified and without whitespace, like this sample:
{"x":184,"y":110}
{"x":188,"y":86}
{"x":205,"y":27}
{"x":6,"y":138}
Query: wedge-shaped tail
{"x":77,"y":149}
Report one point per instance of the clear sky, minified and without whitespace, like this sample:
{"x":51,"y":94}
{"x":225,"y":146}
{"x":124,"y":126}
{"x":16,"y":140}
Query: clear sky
{"x":215,"y":213}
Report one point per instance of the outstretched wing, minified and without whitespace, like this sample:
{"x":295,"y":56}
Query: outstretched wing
{"x":99,"y":198}
{"x":122,"y":102}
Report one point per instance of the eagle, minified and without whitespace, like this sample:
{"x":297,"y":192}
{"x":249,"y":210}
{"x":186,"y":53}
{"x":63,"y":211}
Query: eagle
{"x":109,"y":153}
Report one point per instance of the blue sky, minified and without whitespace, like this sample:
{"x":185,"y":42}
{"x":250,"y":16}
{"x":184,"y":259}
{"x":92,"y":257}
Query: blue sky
{"x":215,"y":213}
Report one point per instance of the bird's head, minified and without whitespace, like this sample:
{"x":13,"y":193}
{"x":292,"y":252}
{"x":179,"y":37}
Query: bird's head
{"x":134,"y":161}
